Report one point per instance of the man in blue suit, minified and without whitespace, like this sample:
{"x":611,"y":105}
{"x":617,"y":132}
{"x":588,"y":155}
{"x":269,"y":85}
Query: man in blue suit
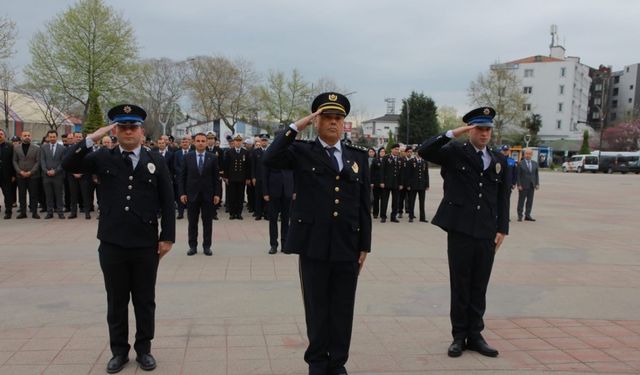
{"x":199,"y":186}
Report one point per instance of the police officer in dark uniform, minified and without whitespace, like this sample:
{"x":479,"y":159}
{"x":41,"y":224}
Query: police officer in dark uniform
{"x":137,"y":191}
{"x":330,"y":226}
{"x":511,"y":174}
{"x":473,"y":212}
{"x":7,"y":174}
{"x":391,"y":182}
{"x":257,"y":174}
{"x":416,"y":184}
{"x":237,"y":175}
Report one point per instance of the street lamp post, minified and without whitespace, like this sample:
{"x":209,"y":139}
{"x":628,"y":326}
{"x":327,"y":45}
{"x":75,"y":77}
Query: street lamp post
{"x":527,"y":139}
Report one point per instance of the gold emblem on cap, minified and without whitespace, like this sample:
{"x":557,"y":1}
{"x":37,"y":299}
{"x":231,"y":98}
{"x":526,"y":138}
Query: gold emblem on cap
{"x":333,"y":97}
{"x":498,"y":168}
{"x":126,"y":109}
{"x":486,"y":111}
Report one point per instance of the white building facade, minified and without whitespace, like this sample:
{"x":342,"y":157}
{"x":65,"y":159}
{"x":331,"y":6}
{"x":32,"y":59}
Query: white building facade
{"x":557,"y":88}
{"x":624,"y":95}
{"x":378,"y":128}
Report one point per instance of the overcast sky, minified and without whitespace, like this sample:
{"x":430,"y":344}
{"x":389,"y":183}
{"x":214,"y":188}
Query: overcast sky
{"x":376,"y":48}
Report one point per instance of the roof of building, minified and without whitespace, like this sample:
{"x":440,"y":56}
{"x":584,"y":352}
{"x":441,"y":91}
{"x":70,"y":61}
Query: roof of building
{"x":535,"y":59}
{"x":386,"y":118}
{"x":24,"y":108}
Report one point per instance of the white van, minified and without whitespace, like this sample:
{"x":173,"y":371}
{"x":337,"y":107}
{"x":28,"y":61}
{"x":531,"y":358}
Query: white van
{"x":581,"y":163}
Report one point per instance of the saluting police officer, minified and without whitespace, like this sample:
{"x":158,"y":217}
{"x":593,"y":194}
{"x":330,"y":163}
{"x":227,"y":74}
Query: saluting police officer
{"x":137,"y":190}
{"x":474,"y":213}
{"x":330,"y":226}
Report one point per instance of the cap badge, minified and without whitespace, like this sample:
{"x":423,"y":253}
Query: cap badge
{"x":355,"y":167}
{"x":126,"y":109}
{"x":152,"y":168}
{"x":333,"y":97}
{"x":498,"y":168}
{"x":486,"y":111}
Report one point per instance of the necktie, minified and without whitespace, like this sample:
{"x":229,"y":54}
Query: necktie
{"x":480,"y":154}
{"x":334,"y":161}
{"x":127,"y":159}
{"x":200,"y":162}
{"x":53,"y":149}
{"x":529,"y":165}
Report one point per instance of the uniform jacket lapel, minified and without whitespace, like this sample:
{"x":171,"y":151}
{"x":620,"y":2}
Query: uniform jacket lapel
{"x":322,"y":154}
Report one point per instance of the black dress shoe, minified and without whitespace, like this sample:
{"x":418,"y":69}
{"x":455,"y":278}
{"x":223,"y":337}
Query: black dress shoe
{"x":519,"y":219}
{"x":22,"y":215}
{"x":73,"y":216}
{"x":146,"y":362}
{"x":411,"y":220}
{"x":49,"y":216}
{"x":529,"y":218}
{"x":375,"y":216}
{"x":7,"y":215}
{"x":399,"y":216}
{"x":481,"y":346}
{"x":239,"y":217}
{"x":424,"y":220}
{"x":215,"y":217}
{"x":116,"y":364}
{"x":87,"y":216}
{"x":383,"y":220}
{"x":180,"y":217}
{"x":273,"y":250}
{"x":232,"y":217}
{"x":35,"y":216}
{"x":258,"y":218}
{"x":207,"y":252}
{"x":191,"y":252}
{"x":61,"y":216}
{"x":395,"y":221}
{"x":456,"y":348}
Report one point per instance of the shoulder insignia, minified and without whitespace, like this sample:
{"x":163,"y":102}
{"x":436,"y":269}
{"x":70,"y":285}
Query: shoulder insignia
{"x":357,"y":147}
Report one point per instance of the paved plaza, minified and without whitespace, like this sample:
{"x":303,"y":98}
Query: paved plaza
{"x":564,"y":295}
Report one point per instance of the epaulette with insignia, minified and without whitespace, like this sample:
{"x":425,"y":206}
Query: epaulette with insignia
{"x":357,"y":147}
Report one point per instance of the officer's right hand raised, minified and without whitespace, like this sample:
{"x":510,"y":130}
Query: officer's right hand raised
{"x":305,"y":121}
{"x":97,"y":135}
{"x":462,"y":130}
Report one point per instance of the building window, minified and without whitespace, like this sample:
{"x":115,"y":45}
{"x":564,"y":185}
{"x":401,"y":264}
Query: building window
{"x":598,"y":87}
{"x":528,"y":72}
{"x":528,"y":89}
{"x":559,"y":124}
{"x":597,"y":101}
{"x":561,"y":89}
{"x":595,"y":115}
{"x":526,"y":107}
{"x":560,"y":105}
{"x":630,"y":100}
{"x":615,"y":91}
{"x":631,"y":87}
{"x":627,"y":69}
{"x":563,"y":72}
{"x":614,"y":104}
{"x":616,"y":79}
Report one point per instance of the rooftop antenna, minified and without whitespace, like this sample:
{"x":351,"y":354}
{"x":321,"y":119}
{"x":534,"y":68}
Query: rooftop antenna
{"x":391,"y":105}
{"x":554,"y":35}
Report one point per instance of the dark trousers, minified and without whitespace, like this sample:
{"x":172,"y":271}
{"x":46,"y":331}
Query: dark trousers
{"x":470,"y":263}
{"x":509,"y":202}
{"x":129,"y":271}
{"x":32,"y":185}
{"x":385,"y":202}
{"x":402,"y":200}
{"x":260,"y":206}
{"x":8,"y":192}
{"x":66,"y":193}
{"x":181,"y":206}
{"x":525,"y":194}
{"x":329,"y":290}
{"x":194,"y":209}
{"x":411,"y":202}
{"x":74,"y":193}
{"x":279,"y":207}
{"x":87,"y":190}
{"x":251,"y":193}
{"x":53,"y":187}
{"x":235,"y":196}
{"x":377,"y":195}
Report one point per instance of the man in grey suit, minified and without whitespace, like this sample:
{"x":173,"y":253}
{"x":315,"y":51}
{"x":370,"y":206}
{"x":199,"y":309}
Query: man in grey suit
{"x":26,"y":162}
{"x":51,"y":154}
{"x":528,"y":182}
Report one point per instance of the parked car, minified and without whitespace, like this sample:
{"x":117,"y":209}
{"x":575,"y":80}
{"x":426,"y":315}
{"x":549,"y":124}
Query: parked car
{"x":581,"y":163}
{"x":627,"y":167}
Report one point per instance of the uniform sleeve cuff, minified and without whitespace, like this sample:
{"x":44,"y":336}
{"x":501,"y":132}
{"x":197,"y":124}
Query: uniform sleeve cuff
{"x":449,"y":134}
{"x":89,"y":142}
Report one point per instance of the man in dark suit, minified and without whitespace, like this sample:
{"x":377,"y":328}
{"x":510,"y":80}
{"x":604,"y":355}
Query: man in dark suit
{"x":178,"y":156}
{"x":52,"y":174}
{"x":237,"y":174}
{"x":473,"y":212}
{"x":376,"y":180}
{"x":417,"y":183}
{"x":199,"y":188}
{"x":330,"y":226}
{"x":278,"y":191}
{"x":260,"y":205}
{"x":391,"y":182}
{"x":138,"y":191}
{"x":166,"y":154}
{"x":7,"y":174}
{"x":511,"y":174}
{"x":26,"y":162}
{"x":528,"y":183}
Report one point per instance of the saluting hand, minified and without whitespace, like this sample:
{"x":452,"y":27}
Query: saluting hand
{"x":164,"y":247}
{"x":462,"y":130}
{"x":305,"y":121}
{"x":97,"y":135}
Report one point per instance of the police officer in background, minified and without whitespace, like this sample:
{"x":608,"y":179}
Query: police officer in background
{"x":257,"y":174}
{"x":511,"y":174}
{"x":237,"y":174}
{"x":473,"y":212}
{"x":416,"y":183}
{"x":330,"y":226}
{"x":137,"y":190}
{"x":391,"y":183}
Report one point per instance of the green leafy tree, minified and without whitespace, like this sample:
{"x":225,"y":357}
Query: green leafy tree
{"x":391,"y":142}
{"x":584,"y":148}
{"x":502,"y":90}
{"x":422,"y":119}
{"x":533,"y":124}
{"x":88,"y":47}
{"x":448,"y":118}
{"x":284,"y":99}
{"x":95,"y":118}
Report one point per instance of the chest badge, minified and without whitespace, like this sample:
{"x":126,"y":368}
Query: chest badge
{"x":355,"y":167}
{"x":152,"y":168}
{"x":498,"y":168}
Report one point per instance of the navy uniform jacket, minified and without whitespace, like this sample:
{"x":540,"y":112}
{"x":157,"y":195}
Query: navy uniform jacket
{"x":178,"y":157}
{"x":416,"y":174}
{"x":256,"y":163}
{"x":475,"y":201}
{"x":191,"y":182}
{"x":132,"y":202}
{"x":6,"y":162}
{"x":168,"y":159}
{"x":376,"y":170}
{"x":330,"y":218}
{"x":237,"y":166}
{"x":277,"y":182}
{"x":391,"y":172}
